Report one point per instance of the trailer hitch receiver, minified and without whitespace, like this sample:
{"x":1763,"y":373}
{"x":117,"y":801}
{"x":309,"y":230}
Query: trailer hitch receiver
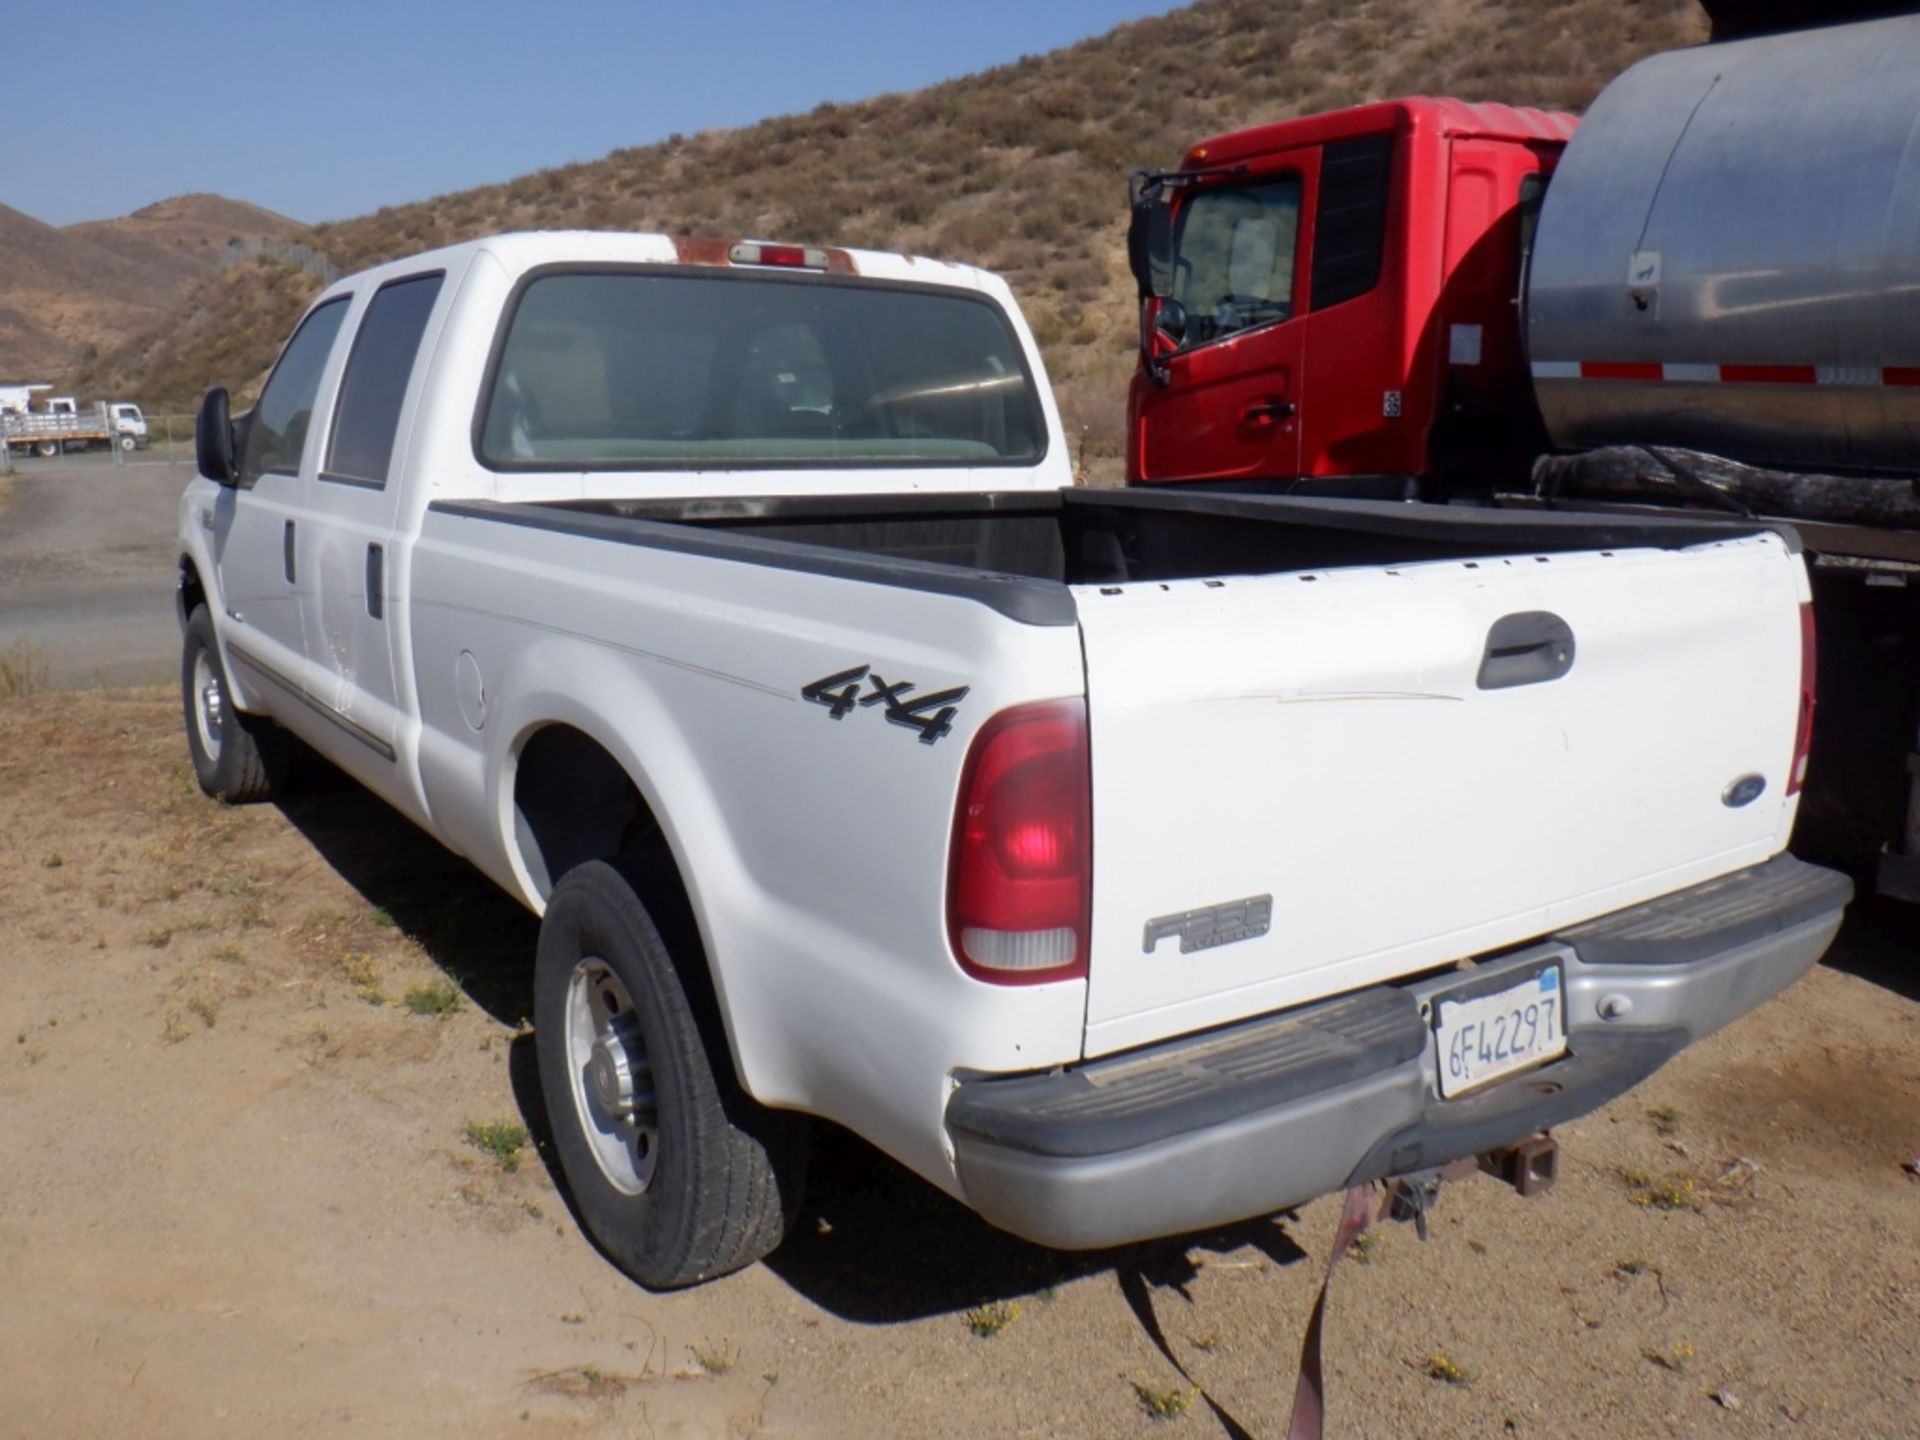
{"x":1531,"y":1166}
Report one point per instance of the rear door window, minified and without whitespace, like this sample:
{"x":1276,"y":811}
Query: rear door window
{"x":368,"y":416}
{"x":277,"y":428}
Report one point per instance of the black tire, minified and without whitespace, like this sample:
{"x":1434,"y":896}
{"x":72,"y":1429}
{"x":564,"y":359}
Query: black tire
{"x":247,"y":758}
{"x":725,"y":1173}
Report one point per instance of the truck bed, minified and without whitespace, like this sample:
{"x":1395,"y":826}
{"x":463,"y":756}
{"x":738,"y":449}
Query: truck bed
{"x":986,"y":544}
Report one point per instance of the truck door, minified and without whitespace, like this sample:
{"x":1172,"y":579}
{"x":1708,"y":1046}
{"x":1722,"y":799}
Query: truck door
{"x":1233,"y":391}
{"x":350,"y":550}
{"x":256,"y":524}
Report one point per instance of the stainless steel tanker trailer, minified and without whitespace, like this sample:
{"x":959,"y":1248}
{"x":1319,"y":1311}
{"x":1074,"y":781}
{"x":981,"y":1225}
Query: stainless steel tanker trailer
{"x":1722,"y":308}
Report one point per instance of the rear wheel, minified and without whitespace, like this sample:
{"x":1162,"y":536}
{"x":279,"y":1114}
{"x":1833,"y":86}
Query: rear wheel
{"x":236,"y":757}
{"x":47,"y":449}
{"x":676,"y":1172}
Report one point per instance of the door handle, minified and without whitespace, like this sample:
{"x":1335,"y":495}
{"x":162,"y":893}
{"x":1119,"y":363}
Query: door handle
{"x":1267,"y":410}
{"x":286,"y":551}
{"x":1527,"y":648}
{"x":376,"y":582}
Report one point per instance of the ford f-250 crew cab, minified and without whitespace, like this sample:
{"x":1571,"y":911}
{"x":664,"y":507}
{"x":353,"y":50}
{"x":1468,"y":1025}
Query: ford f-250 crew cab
{"x":1122,"y":862}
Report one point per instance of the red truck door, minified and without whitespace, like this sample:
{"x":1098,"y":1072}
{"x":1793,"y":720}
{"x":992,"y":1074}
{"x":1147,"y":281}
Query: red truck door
{"x":1233,"y":369}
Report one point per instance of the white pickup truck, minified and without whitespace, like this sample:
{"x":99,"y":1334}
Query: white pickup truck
{"x":1124,"y":863}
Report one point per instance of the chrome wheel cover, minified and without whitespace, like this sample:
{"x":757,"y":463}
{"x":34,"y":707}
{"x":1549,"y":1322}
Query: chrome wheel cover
{"x":610,"y":1077}
{"x":209,"y":705}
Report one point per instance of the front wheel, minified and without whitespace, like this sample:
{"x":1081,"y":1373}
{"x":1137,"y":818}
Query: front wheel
{"x":676,"y":1172}
{"x":236,"y":758}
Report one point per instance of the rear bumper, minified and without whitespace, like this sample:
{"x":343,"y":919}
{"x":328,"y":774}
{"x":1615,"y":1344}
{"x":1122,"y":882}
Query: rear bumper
{"x":1255,"y":1117}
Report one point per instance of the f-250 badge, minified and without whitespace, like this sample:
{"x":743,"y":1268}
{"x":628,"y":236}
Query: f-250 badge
{"x":1214,"y":925}
{"x":932,"y":715}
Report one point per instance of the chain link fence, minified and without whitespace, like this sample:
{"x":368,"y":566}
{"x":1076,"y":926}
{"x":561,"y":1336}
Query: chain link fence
{"x":169,"y":442}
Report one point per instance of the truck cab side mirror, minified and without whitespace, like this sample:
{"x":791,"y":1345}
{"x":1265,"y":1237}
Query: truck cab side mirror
{"x":213,"y":440}
{"x":1150,"y":235}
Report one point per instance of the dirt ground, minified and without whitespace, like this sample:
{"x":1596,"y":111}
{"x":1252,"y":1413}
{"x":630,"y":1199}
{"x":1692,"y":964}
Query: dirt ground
{"x":239,"y":1194}
{"x":87,"y":561}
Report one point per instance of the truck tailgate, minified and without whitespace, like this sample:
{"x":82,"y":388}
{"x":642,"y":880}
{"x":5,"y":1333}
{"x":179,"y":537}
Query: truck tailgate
{"x":1302,"y":783}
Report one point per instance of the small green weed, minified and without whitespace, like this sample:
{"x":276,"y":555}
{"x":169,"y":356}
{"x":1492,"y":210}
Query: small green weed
{"x":384,"y":920}
{"x":1165,"y":1402}
{"x":502,"y":1139}
{"x":53,"y":860}
{"x":363,"y":974}
{"x":987,"y":1321}
{"x":1666,"y":1118}
{"x":716,"y":1357}
{"x":1444,"y":1368}
{"x":1669,"y":1192}
{"x":24,"y":670}
{"x":435,"y":997}
{"x":1366,"y":1245}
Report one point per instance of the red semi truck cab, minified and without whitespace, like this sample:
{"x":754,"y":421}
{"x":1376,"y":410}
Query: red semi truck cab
{"x":1339,"y":296}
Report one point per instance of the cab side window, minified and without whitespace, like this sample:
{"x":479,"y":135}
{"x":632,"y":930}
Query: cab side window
{"x":277,"y":430}
{"x":367,"y":419}
{"x":1233,"y":265}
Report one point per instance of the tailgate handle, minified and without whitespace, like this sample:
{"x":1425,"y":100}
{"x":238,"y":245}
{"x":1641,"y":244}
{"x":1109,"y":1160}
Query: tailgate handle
{"x":1528,"y":648}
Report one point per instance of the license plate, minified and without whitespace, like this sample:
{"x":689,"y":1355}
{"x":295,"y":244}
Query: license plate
{"x":1479,"y":1039}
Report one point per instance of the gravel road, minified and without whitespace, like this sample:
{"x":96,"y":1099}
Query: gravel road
{"x":86,"y":567}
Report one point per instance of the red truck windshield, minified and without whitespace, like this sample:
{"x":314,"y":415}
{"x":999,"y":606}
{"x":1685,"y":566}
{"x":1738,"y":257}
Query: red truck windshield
{"x":628,"y":370}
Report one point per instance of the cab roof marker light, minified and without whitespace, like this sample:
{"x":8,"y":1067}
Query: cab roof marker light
{"x":793,"y":257}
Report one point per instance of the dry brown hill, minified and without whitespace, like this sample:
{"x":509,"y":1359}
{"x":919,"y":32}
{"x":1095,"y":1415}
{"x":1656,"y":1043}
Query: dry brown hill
{"x":66,"y":292}
{"x":186,"y":234}
{"x":1021,"y":168}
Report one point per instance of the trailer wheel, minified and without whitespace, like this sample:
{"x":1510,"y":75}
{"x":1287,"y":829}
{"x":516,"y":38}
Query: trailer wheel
{"x":236,"y":758}
{"x":47,"y":449}
{"x":675,"y":1171}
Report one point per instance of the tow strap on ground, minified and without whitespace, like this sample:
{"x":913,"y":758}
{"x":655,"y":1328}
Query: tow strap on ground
{"x":1309,"y":1389}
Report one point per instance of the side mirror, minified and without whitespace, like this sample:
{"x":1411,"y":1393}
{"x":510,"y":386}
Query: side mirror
{"x":1150,"y":236}
{"x":213,"y":443}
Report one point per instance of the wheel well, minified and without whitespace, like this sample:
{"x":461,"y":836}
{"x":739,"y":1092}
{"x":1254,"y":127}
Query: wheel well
{"x":572,"y":803}
{"x":190,"y":592}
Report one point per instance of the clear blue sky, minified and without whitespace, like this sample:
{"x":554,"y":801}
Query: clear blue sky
{"x":328,"y":110}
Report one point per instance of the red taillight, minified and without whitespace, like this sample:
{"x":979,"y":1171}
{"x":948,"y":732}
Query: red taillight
{"x":1019,"y":881}
{"x":800,"y":257}
{"x":1803,"y":736}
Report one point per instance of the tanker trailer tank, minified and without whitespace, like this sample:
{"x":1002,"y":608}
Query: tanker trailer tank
{"x":1728,"y":257}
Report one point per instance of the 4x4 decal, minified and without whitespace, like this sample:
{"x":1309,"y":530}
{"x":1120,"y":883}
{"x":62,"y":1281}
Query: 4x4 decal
{"x":931,"y":715}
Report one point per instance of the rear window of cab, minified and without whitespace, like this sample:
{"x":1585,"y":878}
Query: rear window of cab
{"x":638,"y":369}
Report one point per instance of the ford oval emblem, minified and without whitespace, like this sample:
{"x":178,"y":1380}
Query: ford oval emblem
{"x":1743,"y":791}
